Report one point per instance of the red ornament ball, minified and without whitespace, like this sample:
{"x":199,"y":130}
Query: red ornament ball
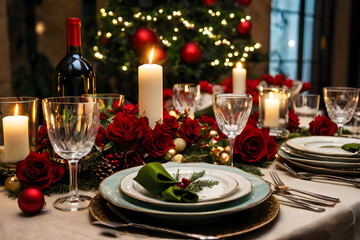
{"x":191,"y":53}
{"x":208,"y":2}
{"x":143,"y":38}
{"x":31,"y":200}
{"x":244,"y":27}
{"x":244,"y":2}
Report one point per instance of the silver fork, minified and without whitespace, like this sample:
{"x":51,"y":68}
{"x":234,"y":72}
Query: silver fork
{"x":309,"y":176}
{"x":282,"y":187}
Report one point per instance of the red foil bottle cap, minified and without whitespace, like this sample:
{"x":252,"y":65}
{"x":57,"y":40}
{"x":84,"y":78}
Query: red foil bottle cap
{"x":73,"y":31}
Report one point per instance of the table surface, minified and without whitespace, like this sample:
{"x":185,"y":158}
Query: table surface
{"x":339,"y":222}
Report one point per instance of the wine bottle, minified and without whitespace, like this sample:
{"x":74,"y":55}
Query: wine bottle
{"x":74,"y":75}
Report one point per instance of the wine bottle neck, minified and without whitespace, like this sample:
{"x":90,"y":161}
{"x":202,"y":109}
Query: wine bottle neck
{"x":73,"y":50}
{"x":73,"y":34}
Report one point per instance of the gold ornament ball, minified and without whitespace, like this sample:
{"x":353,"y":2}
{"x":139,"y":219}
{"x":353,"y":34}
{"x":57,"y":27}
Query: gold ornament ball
{"x":213,"y":133}
{"x":12,"y":184}
{"x":224,"y":158}
{"x":178,"y":158}
{"x":180,"y":145}
{"x":227,"y":149}
{"x":169,"y":154}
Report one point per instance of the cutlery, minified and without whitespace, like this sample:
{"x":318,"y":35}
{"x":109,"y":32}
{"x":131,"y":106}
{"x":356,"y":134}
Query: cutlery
{"x":298,"y":202}
{"x":309,"y":176}
{"x":129,"y":223}
{"x":280,"y":186}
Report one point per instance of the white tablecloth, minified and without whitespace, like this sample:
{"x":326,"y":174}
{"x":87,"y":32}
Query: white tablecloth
{"x":339,"y":222}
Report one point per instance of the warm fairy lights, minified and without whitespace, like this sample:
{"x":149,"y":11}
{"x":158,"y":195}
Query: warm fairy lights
{"x":229,"y":58}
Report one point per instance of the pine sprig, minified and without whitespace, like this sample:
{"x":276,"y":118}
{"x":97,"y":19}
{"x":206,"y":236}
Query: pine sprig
{"x":201,"y":184}
{"x":196,"y":175}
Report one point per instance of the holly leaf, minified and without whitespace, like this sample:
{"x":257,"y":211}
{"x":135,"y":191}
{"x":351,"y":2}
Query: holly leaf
{"x":351,"y":147}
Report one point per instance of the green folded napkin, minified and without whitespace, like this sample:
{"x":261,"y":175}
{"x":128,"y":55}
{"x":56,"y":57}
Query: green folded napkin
{"x":154,"y":178}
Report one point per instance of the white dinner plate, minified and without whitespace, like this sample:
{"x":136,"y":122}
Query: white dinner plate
{"x":224,"y":191}
{"x":110,"y":190}
{"x":318,"y":157}
{"x":319,"y":163}
{"x":324,"y":145}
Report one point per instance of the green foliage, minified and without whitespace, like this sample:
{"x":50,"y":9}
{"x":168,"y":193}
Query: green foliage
{"x":199,"y":185}
{"x":351,"y":147}
{"x":189,"y":21}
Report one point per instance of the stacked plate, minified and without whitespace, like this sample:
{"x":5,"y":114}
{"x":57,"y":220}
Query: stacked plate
{"x":235,"y":192}
{"x":321,"y":154}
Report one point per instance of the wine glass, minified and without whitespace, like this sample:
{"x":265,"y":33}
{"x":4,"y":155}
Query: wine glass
{"x":186,"y":97}
{"x":72,"y":124}
{"x":231,"y":113}
{"x":340,"y":104}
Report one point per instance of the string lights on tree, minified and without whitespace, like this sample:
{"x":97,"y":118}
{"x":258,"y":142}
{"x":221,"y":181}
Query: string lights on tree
{"x":194,"y":40}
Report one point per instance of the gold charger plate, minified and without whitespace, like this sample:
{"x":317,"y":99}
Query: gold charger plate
{"x":233,"y":225}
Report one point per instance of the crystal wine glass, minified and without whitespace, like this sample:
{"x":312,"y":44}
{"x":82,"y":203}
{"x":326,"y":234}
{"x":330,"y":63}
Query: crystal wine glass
{"x":72,"y":124}
{"x":232,"y":112}
{"x":340,"y":104}
{"x":186,"y":97}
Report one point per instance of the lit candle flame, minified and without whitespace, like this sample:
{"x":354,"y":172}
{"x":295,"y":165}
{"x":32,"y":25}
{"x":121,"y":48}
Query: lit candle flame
{"x":16,"y":110}
{"x":187,"y":89}
{"x":271,"y":95}
{"x":239,"y":65}
{"x":151,"y":55}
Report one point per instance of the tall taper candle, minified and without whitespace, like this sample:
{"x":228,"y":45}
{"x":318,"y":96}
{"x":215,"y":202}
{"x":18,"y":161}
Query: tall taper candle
{"x":151,"y":91}
{"x":239,"y":79}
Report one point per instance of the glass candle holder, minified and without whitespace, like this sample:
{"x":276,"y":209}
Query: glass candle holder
{"x":111,"y":101}
{"x":18,"y":128}
{"x":186,"y":97}
{"x":306,"y":107}
{"x":273,"y":110}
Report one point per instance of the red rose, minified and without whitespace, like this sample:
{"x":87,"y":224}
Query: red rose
{"x":132,"y":158}
{"x":170,"y":125}
{"x":251,"y":88}
{"x":209,"y":121}
{"x":130,"y":109}
{"x":103,"y":116}
{"x":294,"y":121}
{"x":254,"y":145}
{"x":126,"y":129}
{"x":37,"y":171}
{"x":43,"y":140}
{"x":167,"y":94}
{"x":190,"y":130}
{"x":306,"y":86}
{"x":205,"y":86}
{"x":157,"y":143}
{"x":288,"y":83}
{"x":322,"y":125}
{"x":101,"y":137}
{"x":228,"y":85}
{"x":253,"y":119}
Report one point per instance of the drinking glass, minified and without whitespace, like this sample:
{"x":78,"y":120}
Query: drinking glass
{"x":231,"y":113}
{"x":306,"y":107}
{"x":340,"y":104}
{"x":112,"y":101}
{"x":186,"y":97}
{"x":72,"y":124}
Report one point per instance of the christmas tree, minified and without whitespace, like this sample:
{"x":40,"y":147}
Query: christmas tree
{"x":193,"y":41}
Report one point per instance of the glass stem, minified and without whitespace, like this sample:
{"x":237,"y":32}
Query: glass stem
{"x":231,"y":144}
{"x":340,"y":128}
{"x":73,"y":187}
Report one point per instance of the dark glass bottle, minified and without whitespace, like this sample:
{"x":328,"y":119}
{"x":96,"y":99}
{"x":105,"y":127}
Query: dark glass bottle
{"x":74,"y":75}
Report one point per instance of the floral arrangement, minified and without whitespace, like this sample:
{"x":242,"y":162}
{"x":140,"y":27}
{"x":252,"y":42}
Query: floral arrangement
{"x":125,"y":140}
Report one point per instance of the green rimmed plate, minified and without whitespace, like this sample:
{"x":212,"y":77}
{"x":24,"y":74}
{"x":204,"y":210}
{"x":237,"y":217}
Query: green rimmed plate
{"x":110,"y":190}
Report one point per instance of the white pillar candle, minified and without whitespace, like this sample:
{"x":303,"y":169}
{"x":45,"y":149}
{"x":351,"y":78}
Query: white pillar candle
{"x":272,"y":111}
{"x":239,"y":79}
{"x":16,"y":138}
{"x":151,"y":92}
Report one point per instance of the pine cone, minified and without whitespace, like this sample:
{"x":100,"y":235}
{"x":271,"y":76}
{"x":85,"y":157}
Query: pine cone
{"x":107,"y":166}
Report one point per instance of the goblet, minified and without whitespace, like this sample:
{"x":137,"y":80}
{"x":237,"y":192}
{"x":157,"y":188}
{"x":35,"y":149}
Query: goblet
{"x":231,"y":113}
{"x":72,"y":124}
{"x":186,"y":97}
{"x":340,"y":104}
{"x":109,"y":101}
